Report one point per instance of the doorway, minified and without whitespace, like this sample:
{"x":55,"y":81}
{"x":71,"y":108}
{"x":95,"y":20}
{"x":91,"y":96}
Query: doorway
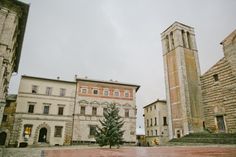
{"x":3,"y":137}
{"x":42,"y":135}
{"x":220,"y":123}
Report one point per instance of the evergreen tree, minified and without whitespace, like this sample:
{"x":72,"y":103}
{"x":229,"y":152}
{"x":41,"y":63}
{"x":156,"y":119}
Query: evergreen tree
{"x":110,"y":133}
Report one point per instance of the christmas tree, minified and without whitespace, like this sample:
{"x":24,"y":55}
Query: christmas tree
{"x":110,"y":133}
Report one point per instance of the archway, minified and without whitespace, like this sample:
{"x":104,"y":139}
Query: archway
{"x":42,"y":135}
{"x":3,"y":137}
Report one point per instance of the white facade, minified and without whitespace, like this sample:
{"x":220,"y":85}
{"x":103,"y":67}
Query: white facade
{"x":44,"y":111}
{"x":156,"y":122}
{"x":92,"y":98}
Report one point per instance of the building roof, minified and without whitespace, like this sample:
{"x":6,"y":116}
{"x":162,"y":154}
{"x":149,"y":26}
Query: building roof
{"x":47,"y":79}
{"x":109,"y":82}
{"x":176,"y":23}
{"x":230,"y":37}
{"x":164,"y":101}
{"x":22,"y":9}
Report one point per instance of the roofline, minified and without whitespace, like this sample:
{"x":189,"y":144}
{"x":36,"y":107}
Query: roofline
{"x":23,"y":9}
{"x":176,"y":22}
{"x":233,"y":32}
{"x":48,"y":79}
{"x":155,"y":102}
{"x":109,"y":82}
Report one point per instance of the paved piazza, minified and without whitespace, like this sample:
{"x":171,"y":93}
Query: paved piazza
{"x":85,"y":151}
{"x":191,"y":151}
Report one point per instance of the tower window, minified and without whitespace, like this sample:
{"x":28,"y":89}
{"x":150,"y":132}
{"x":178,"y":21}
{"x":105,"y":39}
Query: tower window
{"x":189,"y":40}
{"x":167,"y":43}
{"x":172,"y":40}
{"x":216,"y":78}
{"x":184,"y":45}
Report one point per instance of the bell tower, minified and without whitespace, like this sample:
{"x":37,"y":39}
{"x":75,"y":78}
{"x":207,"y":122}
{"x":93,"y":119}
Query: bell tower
{"x":182,"y":79}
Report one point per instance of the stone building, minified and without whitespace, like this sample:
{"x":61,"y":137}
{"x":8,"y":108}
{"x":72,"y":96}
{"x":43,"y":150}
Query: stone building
{"x":155,"y":122}
{"x":182,"y":77}
{"x":92,"y":99}
{"x":8,"y":119}
{"x":13,"y":17}
{"x":219,"y":90}
{"x":44,"y":111}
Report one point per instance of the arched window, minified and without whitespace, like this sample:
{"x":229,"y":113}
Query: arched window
{"x":167,"y":43}
{"x":172,"y":40}
{"x":189,"y":40}
{"x":184,"y":44}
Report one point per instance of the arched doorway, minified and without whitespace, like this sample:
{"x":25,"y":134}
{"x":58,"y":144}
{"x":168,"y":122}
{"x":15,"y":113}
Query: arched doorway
{"x":3,"y":137}
{"x":42,"y":135}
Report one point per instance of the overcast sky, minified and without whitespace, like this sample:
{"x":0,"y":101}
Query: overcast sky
{"x":118,"y":39}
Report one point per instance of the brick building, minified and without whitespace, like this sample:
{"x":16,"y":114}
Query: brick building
{"x":182,"y":77}
{"x":92,"y":98}
{"x":219,"y":90}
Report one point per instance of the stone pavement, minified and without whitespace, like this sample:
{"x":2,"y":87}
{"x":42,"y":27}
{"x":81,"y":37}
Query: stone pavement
{"x":162,"y":151}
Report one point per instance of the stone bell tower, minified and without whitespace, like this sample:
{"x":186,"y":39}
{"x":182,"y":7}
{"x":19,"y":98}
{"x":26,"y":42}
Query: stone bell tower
{"x":182,"y":78}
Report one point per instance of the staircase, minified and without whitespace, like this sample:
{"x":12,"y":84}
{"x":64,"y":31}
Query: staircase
{"x":220,"y":138}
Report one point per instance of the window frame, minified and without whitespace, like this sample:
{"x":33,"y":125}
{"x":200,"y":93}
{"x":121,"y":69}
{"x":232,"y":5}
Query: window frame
{"x":44,"y":107}
{"x":59,"y":111}
{"x":62,"y":92}
{"x":126,"y":113}
{"x":92,"y":130}
{"x":48,"y":91}
{"x":34,"y":89}
{"x":94,"y":111}
{"x":31,"y":107}
{"x":84,"y":110}
{"x":58,"y":131}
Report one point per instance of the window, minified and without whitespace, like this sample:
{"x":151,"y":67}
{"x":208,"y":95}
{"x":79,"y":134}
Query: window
{"x":82,"y":110}
{"x":31,"y":108}
{"x":95,"y":91}
{"x":155,"y":123}
{"x":58,"y":131}
{"x":216,"y":78}
{"x":116,"y":93}
{"x":147,"y":123}
{"x":164,"y":121}
{"x":104,"y":110}
{"x":126,"y":93}
{"x":4,"y":118}
{"x":46,"y":110}
{"x":34,"y":89}
{"x":94,"y":111}
{"x":27,"y":130}
{"x":155,"y":107}
{"x":151,"y":132}
{"x":167,"y":43}
{"x":92,"y":130}
{"x":151,"y":122}
{"x":156,"y":132}
{"x":147,"y":133}
{"x":62,"y":92}
{"x":84,"y":90}
{"x":60,"y":110}
{"x":151,"y":108}
{"x":106,"y":92}
{"x":147,"y":109}
{"x":48,"y":90}
{"x":126,"y":113}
